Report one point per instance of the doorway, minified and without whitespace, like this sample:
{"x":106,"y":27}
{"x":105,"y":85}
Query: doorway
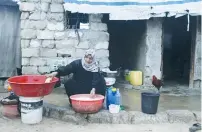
{"x":127,"y":45}
{"x":177,"y":44}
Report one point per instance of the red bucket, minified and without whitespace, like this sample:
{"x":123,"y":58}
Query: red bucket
{"x":31,"y":85}
{"x":10,"y":111}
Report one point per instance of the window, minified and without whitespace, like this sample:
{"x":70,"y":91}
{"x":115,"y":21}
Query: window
{"x":73,"y":20}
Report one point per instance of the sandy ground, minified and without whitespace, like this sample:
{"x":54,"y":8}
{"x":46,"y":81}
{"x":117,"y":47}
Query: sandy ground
{"x":52,"y":125}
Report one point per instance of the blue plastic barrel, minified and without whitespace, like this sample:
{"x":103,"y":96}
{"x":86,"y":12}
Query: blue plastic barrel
{"x":111,"y":97}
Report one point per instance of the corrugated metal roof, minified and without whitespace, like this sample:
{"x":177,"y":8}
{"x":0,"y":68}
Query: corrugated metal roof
{"x":130,"y":2}
{"x":135,"y":9}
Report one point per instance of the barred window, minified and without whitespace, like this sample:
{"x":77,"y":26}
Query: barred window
{"x":73,"y":20}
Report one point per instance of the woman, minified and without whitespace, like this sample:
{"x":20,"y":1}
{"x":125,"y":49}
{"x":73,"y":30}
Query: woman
{"x":86,"y":77}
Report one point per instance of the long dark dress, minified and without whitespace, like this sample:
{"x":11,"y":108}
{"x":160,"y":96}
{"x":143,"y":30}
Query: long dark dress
{"x":83,"y":81}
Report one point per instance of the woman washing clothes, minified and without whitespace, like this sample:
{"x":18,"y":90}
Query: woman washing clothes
{"x":86,"y":77}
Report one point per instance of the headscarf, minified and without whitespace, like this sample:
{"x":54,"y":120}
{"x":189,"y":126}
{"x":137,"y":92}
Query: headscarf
{"x":92,"y":67}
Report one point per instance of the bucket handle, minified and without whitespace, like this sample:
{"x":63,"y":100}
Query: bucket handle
{"x":25,"y":112}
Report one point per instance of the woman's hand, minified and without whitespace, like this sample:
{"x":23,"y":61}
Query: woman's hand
{"x":51,"y":75}
{"x":92,"y":92}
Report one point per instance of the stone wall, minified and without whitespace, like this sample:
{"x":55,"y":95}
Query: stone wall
{"x":197,"y":59}
{"x":44,"y":36}
{"x":195,"y":78}
{"x":153,"y":50}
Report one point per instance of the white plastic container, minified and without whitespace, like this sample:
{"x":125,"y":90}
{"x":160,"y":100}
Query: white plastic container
{"x":31,"y":109}
{"x":110,"y":81}
{"x":114,"y":108}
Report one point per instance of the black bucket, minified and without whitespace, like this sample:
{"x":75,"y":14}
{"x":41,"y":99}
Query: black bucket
{"x":149,"y":102}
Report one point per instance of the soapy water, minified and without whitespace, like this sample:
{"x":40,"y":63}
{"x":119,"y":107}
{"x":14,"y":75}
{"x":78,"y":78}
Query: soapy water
{"x":87,"y":97}
{"x":84,"y":98}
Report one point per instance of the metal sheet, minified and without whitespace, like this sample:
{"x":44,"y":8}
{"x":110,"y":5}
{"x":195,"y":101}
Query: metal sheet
{"x":9,"y":40}
{"x":134,"y":9}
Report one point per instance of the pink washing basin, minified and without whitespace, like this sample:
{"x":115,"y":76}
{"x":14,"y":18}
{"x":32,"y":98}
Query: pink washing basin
{"x":83,"y":103}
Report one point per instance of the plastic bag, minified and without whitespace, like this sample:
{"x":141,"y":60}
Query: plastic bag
{"x":7,"y":87}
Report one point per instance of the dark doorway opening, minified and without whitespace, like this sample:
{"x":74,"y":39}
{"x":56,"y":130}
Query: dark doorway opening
{"x":126,"y":44}
{"x":177,"y":50}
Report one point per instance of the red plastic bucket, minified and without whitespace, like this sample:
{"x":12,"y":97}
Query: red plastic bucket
{"x":10,"y":111}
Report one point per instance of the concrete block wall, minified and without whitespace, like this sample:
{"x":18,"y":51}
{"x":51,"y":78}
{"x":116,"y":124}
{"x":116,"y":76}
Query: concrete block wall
{"x":153,"y":42}
{"x":195,"y":81}
{"x":43,"y":36}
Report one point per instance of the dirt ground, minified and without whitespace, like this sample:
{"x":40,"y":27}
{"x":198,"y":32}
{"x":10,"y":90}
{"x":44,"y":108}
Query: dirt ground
{"x":52,"y":125}
{"x":131,"y":100}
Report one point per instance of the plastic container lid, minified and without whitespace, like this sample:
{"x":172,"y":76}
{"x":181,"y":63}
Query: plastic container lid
{"x":113,"y":89}
{"x":9,"y":88}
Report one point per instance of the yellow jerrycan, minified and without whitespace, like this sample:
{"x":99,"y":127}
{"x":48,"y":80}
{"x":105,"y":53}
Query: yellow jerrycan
{"x":136,"y":78}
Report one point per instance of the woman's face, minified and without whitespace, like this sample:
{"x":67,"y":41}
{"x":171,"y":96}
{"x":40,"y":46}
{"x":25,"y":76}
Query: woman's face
{"x":88,"y":59}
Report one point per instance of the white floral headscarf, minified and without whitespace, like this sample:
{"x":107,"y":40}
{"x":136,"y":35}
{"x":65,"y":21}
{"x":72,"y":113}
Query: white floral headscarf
{"x":93,"y":67}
